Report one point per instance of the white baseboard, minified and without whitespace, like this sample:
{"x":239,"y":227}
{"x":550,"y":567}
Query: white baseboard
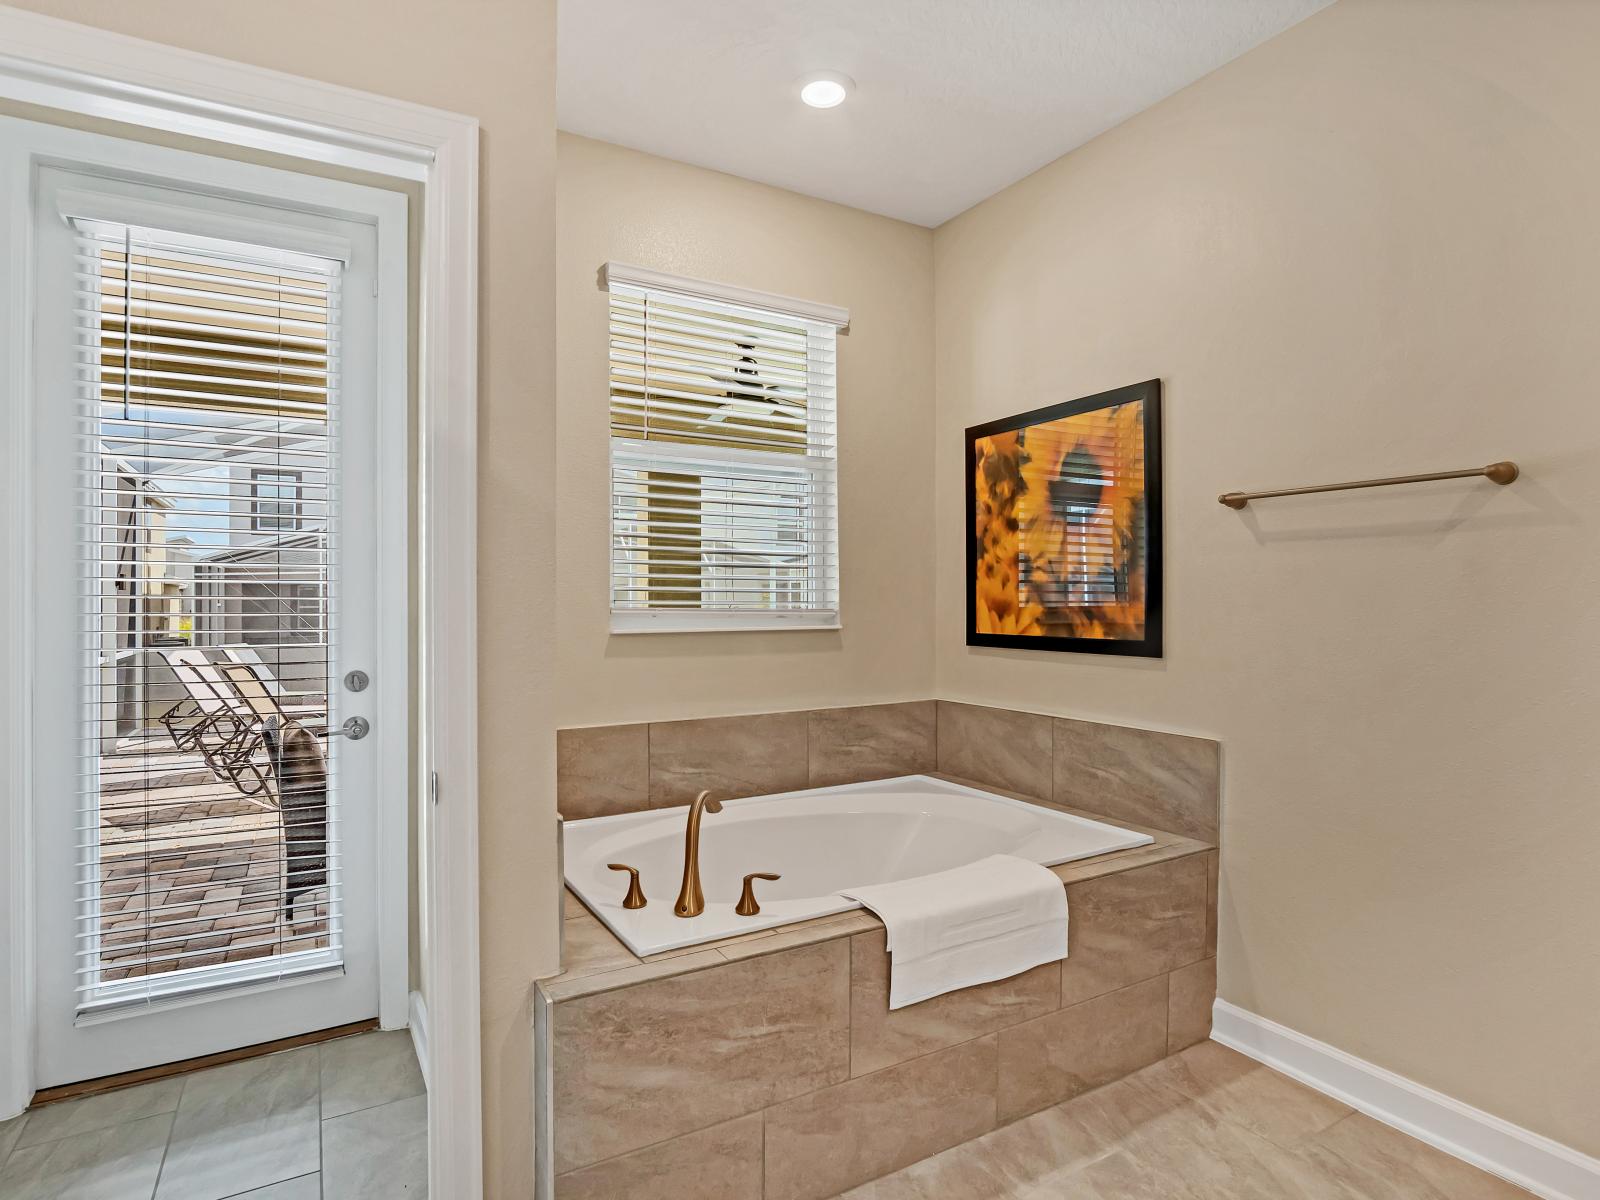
{"x":419,"y":1035}
{"x":1542,"y":1166}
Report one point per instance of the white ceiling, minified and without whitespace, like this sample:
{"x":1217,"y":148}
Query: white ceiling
{"x":954,"y":100}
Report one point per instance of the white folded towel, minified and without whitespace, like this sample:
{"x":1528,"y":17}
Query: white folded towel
{"x":987,"y":920}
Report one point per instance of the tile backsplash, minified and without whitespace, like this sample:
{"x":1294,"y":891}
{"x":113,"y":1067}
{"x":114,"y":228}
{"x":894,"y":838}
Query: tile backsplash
{"x":1164,"y":780}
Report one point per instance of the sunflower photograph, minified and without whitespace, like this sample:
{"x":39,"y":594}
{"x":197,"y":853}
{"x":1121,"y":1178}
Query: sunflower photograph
{"x":1064,"y":549}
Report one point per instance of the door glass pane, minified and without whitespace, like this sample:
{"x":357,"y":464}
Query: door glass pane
{"x":209,"y":823}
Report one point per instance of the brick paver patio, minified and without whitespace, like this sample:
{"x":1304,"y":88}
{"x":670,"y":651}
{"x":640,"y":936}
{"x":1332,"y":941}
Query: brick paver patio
{"x":191,"y":871}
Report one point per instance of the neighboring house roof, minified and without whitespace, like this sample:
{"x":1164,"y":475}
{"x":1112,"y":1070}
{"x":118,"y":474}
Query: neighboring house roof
{"x":288,"y":549}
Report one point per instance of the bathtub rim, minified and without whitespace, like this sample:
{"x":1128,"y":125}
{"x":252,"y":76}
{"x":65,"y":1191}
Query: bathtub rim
{"x":843,"y":906}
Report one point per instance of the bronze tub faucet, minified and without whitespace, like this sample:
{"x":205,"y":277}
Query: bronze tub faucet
{"x":691,"y":899}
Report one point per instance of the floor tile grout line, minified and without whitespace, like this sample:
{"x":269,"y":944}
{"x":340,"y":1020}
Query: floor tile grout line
{"x":339,"y":1116}
{"x":166,"y":1146}
{"x":322,"y":1107}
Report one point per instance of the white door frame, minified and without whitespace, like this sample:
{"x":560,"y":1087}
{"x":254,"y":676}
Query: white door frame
{"x":91,"y":72}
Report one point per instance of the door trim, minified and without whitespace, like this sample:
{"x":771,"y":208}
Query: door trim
{"x":96,"y":73}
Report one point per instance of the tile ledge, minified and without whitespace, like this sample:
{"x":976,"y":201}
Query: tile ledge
{"x":558,"y":989}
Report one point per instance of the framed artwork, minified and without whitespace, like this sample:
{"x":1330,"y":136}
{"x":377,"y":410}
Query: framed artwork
{"x":1064,"y":526}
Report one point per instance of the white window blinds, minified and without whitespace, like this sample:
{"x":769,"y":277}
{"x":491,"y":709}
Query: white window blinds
{"x":724,"y":498}
{"x":208,"y":844}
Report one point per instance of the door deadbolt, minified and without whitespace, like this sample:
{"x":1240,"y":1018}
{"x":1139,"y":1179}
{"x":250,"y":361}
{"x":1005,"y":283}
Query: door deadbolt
{"x":357,"y":681}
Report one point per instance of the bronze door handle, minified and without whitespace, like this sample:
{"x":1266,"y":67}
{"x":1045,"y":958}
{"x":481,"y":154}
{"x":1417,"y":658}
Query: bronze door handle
{"x":747,"y":906}
{"x":635,"y":897}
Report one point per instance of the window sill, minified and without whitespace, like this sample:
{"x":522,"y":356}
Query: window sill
{"x":629,"y":623}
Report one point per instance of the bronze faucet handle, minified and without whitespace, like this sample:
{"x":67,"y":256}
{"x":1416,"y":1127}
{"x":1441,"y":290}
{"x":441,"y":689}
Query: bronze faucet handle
{"x":747,"y":906}
{"x":635,"y":897}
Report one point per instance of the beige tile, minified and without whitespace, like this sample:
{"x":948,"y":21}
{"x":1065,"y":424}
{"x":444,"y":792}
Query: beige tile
{"x":571,"y":906}
{"x":732,"y":756}
{"x":378,"y":1153}
{"x":1056,"y":1057}
{"x":1161,"y":779}
{"x":1371,"y":1158}
{"x":301,"y":1188}
{"x":368,"y":1070}
{"x":1132,"y":926}
{"x":1228,"y":1086}
{"x":69,"y":1117}
{"x":640,"y":1065}
{"x":826,"y":1142}
{"x":880,"y":1038}
{"x":1141,"y":1136}
{"x":10,"y":1131}
{"x":996,"y":746}
{"x":719,"y":1163}
{"x":119,"y":1162}
{"x":801,"y":933}
{"x":1213,"y":866}
{"x":304,"y":1187}
{"x":602,"y":770}
{"x":1127,"y":860}
{"x":873,"y":741}
{"x":1191,"y":992}
{"x":243,"y":1126}
{"x":571,"y":987}
{"x":588,"y":947}
{"x":1046,"y":1146}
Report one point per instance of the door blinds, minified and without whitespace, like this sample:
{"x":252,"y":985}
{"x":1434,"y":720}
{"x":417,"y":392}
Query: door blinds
{"x":724,"y":510}
{"x":208,"y":839}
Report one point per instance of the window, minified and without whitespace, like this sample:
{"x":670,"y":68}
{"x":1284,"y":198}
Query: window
{"x":724,"y":508}
{"x":274,"y":500}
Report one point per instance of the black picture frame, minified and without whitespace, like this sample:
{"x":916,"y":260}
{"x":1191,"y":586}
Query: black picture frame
{"x":1150,"y":645}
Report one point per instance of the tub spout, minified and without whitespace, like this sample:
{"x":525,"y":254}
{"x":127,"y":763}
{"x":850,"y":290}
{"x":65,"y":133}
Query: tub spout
{"x":691,"y":900}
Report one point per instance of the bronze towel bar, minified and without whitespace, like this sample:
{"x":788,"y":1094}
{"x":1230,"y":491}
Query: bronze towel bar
{"x":1500,"y":472}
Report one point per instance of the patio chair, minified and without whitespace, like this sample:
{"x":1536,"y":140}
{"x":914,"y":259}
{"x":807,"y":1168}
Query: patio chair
{"x":301,"y":773}
{"x":226,"y":728}
{"x":309,"y":715}
{"x":215,"y":722}
{"x":262,"y":715}
{"x":189,"y":720}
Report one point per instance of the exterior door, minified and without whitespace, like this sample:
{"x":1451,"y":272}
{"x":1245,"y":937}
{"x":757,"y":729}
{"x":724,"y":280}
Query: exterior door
{"x":218,"y":755}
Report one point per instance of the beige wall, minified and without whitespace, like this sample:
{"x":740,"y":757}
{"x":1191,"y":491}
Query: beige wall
{"x":495,"y":60}
{"x":619,"y":204}
{"x":1371,"y":246}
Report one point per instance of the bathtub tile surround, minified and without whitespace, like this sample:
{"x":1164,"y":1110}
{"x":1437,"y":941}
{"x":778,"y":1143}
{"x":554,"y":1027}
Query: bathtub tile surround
{"x":1192,"y":990}
{"x":1133,"y":926}
{"x":1059,"y":1056}
{"x":606,"y":769}
{"x":880,"y":1038}
{"x":723,"y":1162}
{"x":1140,"y":776}
{"x":1009,"y":749}
{"x":768,"y":1063}
{"x":603,"y":770}
{"x":637,"y":1066}
{"x":1161,"y":779}
{"x":759,"y":1046}
{"x":824,"y":1143}
{"x":873,"y":741}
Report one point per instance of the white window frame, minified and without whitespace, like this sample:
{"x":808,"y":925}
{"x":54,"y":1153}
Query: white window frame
{"x":91,"y":72}
{"x":712,"y":620}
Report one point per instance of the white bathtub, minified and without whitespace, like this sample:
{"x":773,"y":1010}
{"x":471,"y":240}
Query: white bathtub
{"x":821,"y":841}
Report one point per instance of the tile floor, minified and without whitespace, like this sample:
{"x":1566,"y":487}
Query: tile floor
{"x":344,"y":1120}
{"x":1205,"y":1124}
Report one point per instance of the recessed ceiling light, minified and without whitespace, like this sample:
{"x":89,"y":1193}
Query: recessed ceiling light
{"x":826,"y":89}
